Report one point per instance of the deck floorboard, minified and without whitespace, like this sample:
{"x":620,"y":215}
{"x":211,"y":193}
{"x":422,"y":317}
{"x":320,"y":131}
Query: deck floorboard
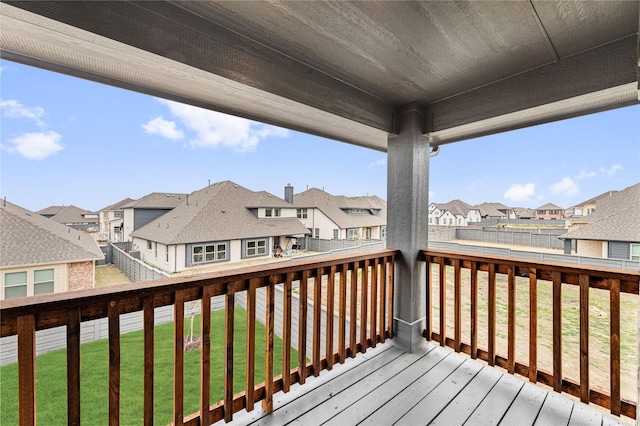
{"x":387,"y":386}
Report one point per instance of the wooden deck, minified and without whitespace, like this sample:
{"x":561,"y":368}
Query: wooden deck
{"x":387,"y":386}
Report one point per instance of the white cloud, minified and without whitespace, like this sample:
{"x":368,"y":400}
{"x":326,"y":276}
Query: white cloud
{"x":214,"y":129}
{"x":566,"y":187}
{"x":519,"y":192}
{"x":164,"y":128}
{"x":584,"y":175}
{"x":379,"y":163}
{"x":14,"y":109}
{"x":611,"y":170}
{"x":36,"y":146}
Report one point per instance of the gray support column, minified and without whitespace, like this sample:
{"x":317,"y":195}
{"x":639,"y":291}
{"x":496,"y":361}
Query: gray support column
{"x":407,"y":224}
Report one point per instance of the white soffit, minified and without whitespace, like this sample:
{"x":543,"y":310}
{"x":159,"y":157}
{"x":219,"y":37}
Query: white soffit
{"x":542,"y":114}
{"x":34,"y":36}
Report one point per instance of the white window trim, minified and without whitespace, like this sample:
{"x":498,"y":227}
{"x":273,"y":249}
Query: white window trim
{"x":257,"y":247}
{"x":58,"y":275}
{"x":215,"y":252}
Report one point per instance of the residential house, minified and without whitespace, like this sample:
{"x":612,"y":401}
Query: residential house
{"x":496,"y":211}
{"x":221,"y":223}
{"x":453,"y":213}
{"x":73,"y":217}
{"x":612,"y":230}
{"x":328,"y":216}
{"x":112,"y":220}
{"x":524,"y":213}
{"x":138,"y":213}
{"x":586,"y":207}
{"x":40,"y":255}
{"x":549,"y":211}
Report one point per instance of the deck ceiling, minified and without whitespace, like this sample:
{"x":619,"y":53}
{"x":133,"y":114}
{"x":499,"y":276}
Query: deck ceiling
{"x":343,"y":70}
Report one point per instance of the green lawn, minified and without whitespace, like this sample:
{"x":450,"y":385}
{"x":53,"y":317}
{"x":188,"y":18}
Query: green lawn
{"x":51,"y":376}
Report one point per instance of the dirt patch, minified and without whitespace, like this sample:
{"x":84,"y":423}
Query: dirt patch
{"x":109,"y":275}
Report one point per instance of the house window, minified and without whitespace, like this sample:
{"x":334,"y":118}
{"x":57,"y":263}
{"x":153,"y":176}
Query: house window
{"x":635,"y":252}
{"x":383,"y":231}
{"x":43,"y":281}
{"x":301,"y":213}
{"x":276,"y":212}
{"x":149,"y":245}
{"x":255,"y":247}
{"x":317,"y":233}
{"x":15,"y":284}
{"x":336,"y":234}
{"x":268,"y":212}
{"x":352,"y":233}
{"x":166,"y":254}
{"x":155,"y":251}
{"x":205,"y":253}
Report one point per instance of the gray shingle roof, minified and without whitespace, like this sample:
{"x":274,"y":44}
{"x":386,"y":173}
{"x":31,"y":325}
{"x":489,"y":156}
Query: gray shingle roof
{"x":73,"y":214}
{"x":219,"y":212}
{"x":491,"y":209}
{"x":117,"y":206}
{"x":157,"y":200}
{"x":27,"y":238}
{"x":549,"y":206}
{"x":333,"y":206}
{"x":50,"y":211}
{"x":456,"y":207}
{"x":617,"y":218}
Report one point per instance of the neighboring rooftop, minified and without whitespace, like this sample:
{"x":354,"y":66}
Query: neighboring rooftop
{"x":73,"y":215}
{"x":335,"y":207}
{"x":617,"y":218}
{"x":117,"y":206}
{"x":218,"y":212}
{"x":27,"y":238}
{"x":161,"y":200}
{"x":492,"y":209}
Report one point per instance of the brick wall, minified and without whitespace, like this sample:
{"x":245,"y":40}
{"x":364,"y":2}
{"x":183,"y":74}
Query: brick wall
{"x":81,"y":275}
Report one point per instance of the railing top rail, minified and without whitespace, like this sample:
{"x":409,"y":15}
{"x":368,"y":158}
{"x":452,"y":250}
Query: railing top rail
{"x":631,"y":279}
{"x":93,"y":303}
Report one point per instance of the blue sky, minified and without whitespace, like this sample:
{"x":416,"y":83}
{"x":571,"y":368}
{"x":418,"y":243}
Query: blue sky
{"x":69,"y":141}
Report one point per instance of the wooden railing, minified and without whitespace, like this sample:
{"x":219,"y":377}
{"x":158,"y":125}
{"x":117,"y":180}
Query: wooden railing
{"x":359,"y":290}
{"x":491,"y":283}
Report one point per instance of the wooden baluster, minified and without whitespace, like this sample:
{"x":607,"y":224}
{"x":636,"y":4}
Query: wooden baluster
{"x":286,"y":334}
{"x":373,"y":321}
{"x":364,"y":306}
{"x":73,"y":366}
{"x":429,"y":301}
{"x":302,"y":329}
{"x":342,"y":313}
{"x":614,"y":350}
{"x":229,"y":306}
{"x":148,"y":324}
{"x":584,"y":338}
{"x":250,"y":354}
{"x":557,"y":331}
{"x":26,"y":331}
{"x":443,"y":301}
{"x":474,"y":309}
{"x":330,"y":313}
{"x":511,"y":321}
{"x":317,"y":322}
{"x":267,"y":402}
{"x":383,"y":299}
{"x":178,"y":358}
{"x":492,"y":315}
{"x":533,"y":325}
{"x":457,"y":306}
{"x":353,"y":309}
{"x":113,"y":313}
{"x":205,"y":355}
{"x":390,"y":297}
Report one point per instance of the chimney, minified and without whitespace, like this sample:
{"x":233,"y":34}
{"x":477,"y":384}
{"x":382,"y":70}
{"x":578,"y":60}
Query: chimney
{"x":288,"y":193}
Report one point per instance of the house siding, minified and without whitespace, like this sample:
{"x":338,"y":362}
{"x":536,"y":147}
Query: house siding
{"x":81,"y":275}
{"x":619,"y":250}
{"x":589,"y":248}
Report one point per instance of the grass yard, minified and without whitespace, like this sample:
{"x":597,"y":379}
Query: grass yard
{"x":51,"y":375}
{"x":108,"y":275}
